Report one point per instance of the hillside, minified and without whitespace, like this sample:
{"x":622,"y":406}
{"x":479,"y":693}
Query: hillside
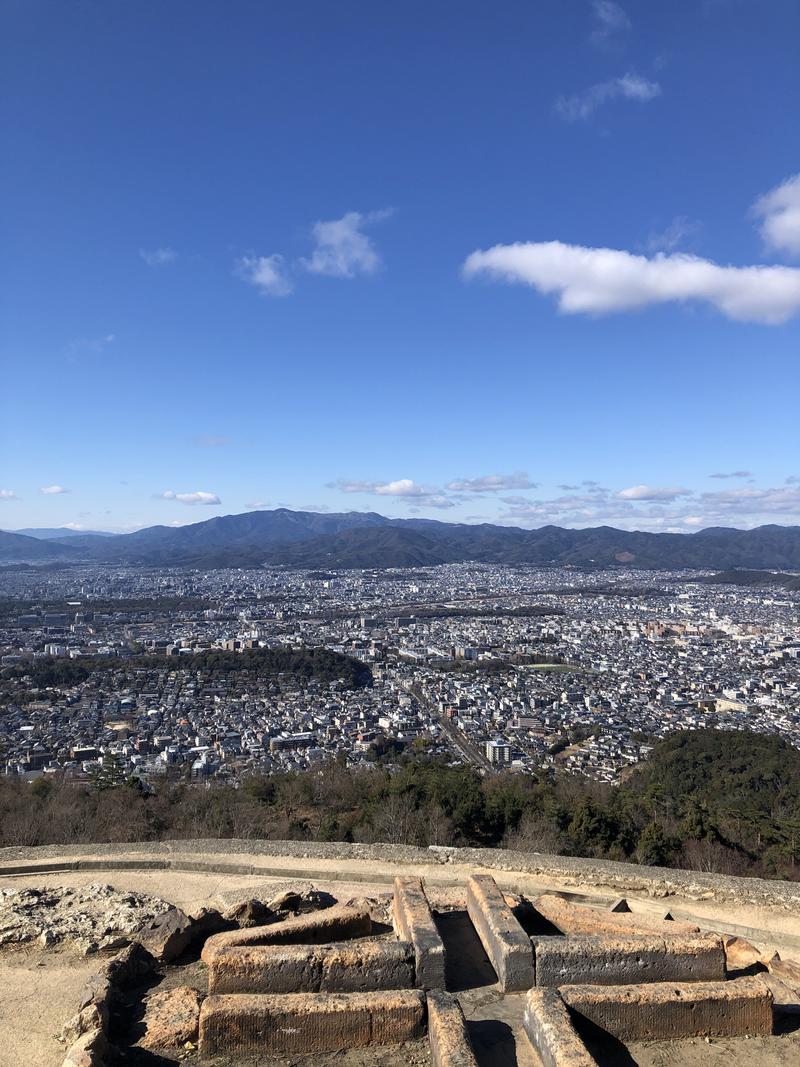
{"x":15,"y":547}
{"x":755,"y":580}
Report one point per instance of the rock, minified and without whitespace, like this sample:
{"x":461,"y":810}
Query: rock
{"x":288,"y":901}
{"x":132,"y":963}
{"x":171,"y":1018}
{"x":89,"y":914}
{"x":248,"y":913}
{"x":166,"y":937}
{"x":92,"y":1017}
{"x":209,"y":921}
{"x":740,"y":954}
{"x":89,"y":1050}
{"x":98,"y":990}
{"x":788,"y":970}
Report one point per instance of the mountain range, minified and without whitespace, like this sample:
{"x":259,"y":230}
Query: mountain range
{"x":366,"y":539}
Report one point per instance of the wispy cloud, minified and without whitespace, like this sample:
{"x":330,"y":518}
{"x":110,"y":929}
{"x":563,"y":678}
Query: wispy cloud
{"x":675,"y":234}
{"x":52,"y":490}
{"x":779,"y":211}
{"x":493,"y":483}
{"x":650,"y":492}
{"x":610,"y":21}
{"x":601,"y":280}
{"x":158,"y":257}
{"x":342,"y":248}
{"x":8,"y":494}
{"x":267,"y":273}
{"x":258,"y":505}
{"x":198,"y":497}
{"x":582,"y":105}
{"x":732,"y":474}
{"x":91,"y":344}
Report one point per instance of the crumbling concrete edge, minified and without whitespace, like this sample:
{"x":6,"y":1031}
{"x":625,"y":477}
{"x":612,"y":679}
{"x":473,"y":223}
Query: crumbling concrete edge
{"x":447,"y":1032}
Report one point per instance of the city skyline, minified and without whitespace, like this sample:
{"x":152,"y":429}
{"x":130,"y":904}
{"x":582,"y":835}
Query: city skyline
{"x":539,"y":267}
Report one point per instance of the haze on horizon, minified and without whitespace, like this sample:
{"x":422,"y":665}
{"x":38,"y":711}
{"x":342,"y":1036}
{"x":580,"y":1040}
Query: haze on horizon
{"x":528,"y":265}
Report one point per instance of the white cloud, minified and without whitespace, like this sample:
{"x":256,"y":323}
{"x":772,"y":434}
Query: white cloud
{"x":258,"y":505}
{"x":266,"y":273}
{"x":611,"y":20}
{"x":8,"y":494}
{"x":158,"y":257}
{"x":342,"y":249}
{"x":648,"y":492}
{"x":732,"y":474}
{"x":491,"y":483}
{"x":53,"y":490}
{"x":598,"y":280}
{"x":779,"y":211}
{"x":628,"y":87}
{"x":199,"y":497}
{"x":675,"y":234}
{"x":402,"y":488}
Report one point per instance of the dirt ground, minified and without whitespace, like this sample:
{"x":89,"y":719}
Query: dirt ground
{"x":39,"y":988}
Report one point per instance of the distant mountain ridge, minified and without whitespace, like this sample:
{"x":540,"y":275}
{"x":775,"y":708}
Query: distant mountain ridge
{"x":366,"y":539}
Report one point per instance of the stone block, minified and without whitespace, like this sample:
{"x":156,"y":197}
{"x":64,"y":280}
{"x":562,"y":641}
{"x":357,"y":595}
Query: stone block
{"x":171,"y":1018}
{"x":582,"y":920}
{"x":447,"y":1032}
{"x":549,"y":1029}
{"x":359,"y":966}
{"x":334,"y":924}
{"x":504,"y":941}
{"x":413,"y":920}
{"x":303,"y":1023}
{"x":625,"y":960}
{"x":671,"y":1011}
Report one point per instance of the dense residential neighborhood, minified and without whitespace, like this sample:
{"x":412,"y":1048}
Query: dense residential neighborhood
{"x":509,"y":669}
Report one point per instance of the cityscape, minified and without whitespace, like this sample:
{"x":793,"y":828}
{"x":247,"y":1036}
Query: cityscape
{"x":506,"y":669}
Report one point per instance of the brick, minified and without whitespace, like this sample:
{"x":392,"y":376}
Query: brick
{"x":360,"y":966}
{"x":309,"y":1022}
{"x":333,"y":924}
{"x":447,"y":1032}
{"x":668,"y":1011}
{"x":505,"y":942}
{"x":625,"y":960}
{"x":413,"y":921}
{"x":582,"y":920}
{"x":549,"y":1029}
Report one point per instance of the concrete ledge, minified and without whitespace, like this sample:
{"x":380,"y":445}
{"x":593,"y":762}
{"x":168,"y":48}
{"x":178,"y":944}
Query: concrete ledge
{"x":338,"y":923}
{"x":549,"y":1029}
{"x":670,"y":1011}
{"x":625,"y":960}
{"x":579,"y":919}
{"x":358,"y":967}
{"x":447,"y":1032}
{"x":505,"y":942}
{"x":308,"y":1022}
{"x":413,"y":920}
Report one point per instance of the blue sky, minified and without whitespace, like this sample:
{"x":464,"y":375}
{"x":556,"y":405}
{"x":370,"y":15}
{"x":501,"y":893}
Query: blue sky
{"x":520,"y":262}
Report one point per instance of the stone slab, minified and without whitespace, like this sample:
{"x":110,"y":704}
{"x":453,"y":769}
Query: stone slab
{"x":505,"y":942}
{"x":413,"y":920}
{"x":354,"y":967}
{"x":671,"y":1011}
{"x":339,"y":923}
{"x":625,"y":960}
{"x":303,"y":1023}
{"x":447,"y":1032}
{"x":549,"y":1029}
{"x":580,"y":919}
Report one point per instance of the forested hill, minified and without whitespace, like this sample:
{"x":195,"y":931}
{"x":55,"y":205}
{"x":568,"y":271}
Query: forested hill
{"x":705,"y":800}
{"x":366,"y":539}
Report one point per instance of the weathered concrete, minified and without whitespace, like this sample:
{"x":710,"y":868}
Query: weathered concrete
{"x":413,"y":920}
{"x":549,"y":1029}
{"x":625,"y":960}
{"x":670,"y":1010}
{"x":578,"y":919}
{"x":447,"y":1032}
{"x":505,"y":942}
{"x":308,"y":1022}
{"x":333,"y":924}
{"x":171,"y":1018}
{"x":354,"y":967}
